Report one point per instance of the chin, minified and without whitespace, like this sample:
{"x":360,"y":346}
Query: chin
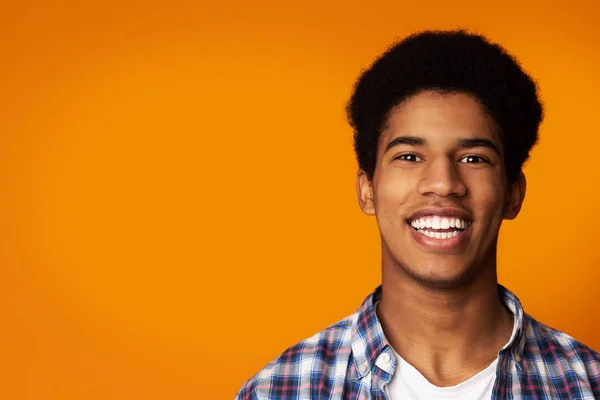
{"x":441,"y":276}
{"x":442,"y":282}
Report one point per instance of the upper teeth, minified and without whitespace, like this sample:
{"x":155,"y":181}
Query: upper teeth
{"x":435,"y":222}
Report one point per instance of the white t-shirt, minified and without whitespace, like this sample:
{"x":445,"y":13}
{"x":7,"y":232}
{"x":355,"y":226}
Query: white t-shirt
{"x":408,"y":384}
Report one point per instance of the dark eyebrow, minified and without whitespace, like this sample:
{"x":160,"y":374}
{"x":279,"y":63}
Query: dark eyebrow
{"x":462,"y":143}
{"x":478,"y":142}
{"x":409,"y":140}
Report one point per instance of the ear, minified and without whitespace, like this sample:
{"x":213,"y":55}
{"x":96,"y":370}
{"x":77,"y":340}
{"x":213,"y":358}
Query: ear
{"x":364,"y":190}
{"x":515,"y":197}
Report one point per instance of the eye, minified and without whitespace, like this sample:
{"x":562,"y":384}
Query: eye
{"x":473,"y":160}
{"x":408,"y":157}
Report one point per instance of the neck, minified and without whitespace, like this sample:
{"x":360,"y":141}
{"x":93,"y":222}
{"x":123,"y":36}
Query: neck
{"x":447,"y":334}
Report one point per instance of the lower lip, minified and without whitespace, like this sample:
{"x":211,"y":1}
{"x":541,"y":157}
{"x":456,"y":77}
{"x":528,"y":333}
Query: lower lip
{"x":450,"y":244}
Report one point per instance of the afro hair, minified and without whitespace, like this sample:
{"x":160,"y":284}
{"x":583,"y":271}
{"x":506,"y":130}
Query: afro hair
{"x":447,"y":61}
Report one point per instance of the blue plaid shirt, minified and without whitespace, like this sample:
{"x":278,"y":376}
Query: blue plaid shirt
{"x":345,"y":361}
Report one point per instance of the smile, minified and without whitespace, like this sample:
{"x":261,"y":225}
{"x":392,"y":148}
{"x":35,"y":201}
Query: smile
{"x":438,"y":227}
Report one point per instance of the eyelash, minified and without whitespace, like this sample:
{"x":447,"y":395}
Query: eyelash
{"x":481,"y":159}
{"x":400,"y":157}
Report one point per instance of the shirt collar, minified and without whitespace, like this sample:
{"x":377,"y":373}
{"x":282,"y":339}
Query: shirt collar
{"x":517,"y":340}
{"x":368,"y":340}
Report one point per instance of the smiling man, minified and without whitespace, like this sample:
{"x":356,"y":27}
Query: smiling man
{"x":443,"y":122}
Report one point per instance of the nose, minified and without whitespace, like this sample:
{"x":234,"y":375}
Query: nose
{"x":442,"y":178}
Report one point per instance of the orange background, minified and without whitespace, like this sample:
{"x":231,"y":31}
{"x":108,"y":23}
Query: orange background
{"x":178,"y":201}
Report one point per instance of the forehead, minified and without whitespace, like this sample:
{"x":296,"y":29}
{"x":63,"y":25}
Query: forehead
{"x":441,"y":118}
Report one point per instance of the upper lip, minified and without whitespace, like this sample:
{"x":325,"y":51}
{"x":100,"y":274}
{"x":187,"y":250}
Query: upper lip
{"x":442,"y":212}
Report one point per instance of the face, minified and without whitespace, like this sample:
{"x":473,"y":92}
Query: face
{"x":439,"y":191}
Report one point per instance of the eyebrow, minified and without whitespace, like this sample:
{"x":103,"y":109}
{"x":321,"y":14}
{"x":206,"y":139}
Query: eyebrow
{"x":461,"y":143}
{"x":477,"y":142}
{"x":409,"y":140}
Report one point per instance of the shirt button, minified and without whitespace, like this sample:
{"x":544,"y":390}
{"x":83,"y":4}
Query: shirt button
{"x":385,"y":358}
{"x":363,"y":368}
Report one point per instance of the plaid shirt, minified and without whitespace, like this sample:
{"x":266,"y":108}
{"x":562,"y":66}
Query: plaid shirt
{"x":345,"y":362}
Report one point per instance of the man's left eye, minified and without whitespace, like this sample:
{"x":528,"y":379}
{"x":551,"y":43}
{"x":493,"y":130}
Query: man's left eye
{"x":473,"y":160}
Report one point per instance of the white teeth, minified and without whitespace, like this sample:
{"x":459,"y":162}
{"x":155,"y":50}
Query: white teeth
{"x":436,"y":222}
{"x":439,"y":235}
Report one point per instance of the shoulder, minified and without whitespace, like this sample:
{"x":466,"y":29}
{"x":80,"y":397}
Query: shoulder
{"x":315,"y":361}
{"x":556,"y":345}
{"x":562,"y":354}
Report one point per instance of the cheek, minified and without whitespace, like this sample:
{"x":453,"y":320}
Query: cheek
{"x":391,"y":197}
{"x":488,"y":197}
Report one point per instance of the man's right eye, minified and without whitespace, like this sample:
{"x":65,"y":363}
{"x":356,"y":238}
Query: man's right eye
{"x":408,"y":157}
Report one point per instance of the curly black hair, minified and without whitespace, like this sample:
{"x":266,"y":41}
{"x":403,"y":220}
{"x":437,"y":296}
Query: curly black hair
{"x":447,"y":61}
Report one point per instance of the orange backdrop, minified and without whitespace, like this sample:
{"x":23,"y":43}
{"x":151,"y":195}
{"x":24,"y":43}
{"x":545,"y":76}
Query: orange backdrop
{"x":178,"y":201}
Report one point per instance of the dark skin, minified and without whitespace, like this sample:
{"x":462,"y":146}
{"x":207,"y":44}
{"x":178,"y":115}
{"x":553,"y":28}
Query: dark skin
{"x":440,"y":308}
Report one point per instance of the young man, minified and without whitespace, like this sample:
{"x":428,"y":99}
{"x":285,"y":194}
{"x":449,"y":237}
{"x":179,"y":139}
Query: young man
{"x":443,"y":123}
